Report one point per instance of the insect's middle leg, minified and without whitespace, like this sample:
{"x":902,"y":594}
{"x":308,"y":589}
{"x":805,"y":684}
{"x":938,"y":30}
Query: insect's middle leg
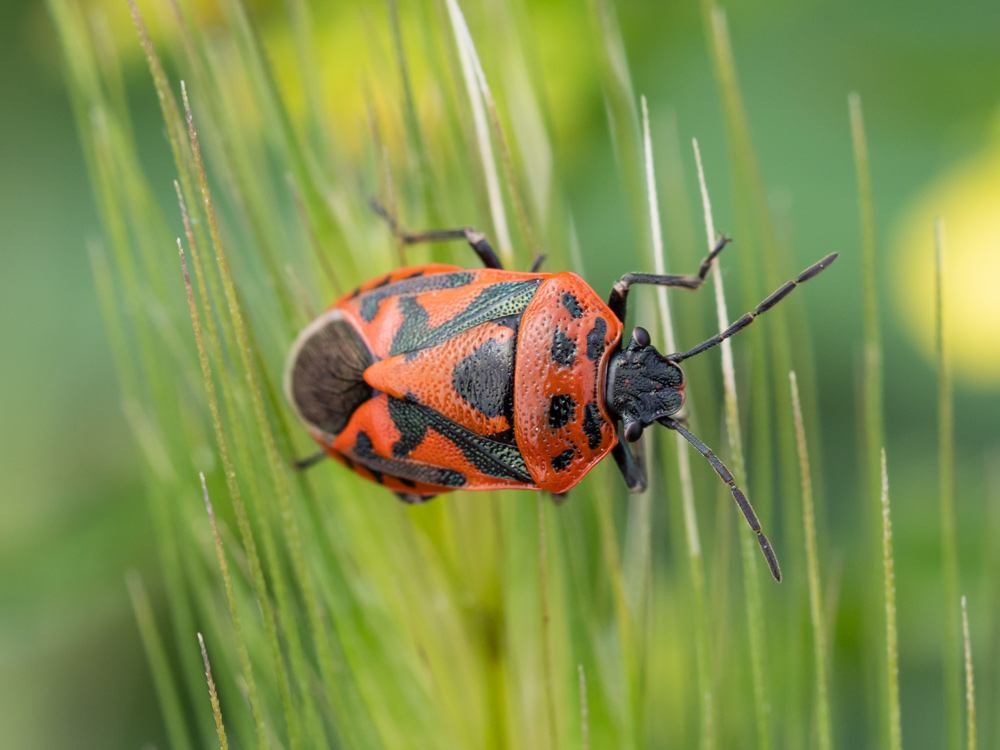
{"x":477,"y":240}
{"x":618,"y":299}
{"x":631,"y":460}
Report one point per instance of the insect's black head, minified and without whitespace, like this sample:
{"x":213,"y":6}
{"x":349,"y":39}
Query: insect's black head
{"x":642,"y":385}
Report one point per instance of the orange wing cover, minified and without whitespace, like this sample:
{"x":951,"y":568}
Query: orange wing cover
{"x":467,"y":380}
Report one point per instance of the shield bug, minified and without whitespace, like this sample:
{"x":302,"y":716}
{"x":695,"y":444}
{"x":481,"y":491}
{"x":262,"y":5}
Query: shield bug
{"x":437,"y":377}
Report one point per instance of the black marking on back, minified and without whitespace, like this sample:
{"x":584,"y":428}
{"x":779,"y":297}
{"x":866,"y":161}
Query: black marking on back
{"x":369,"y":308}
{"x":364,"y":453}
{"x":562,"y":461}
{"x":327,"y":377}
{"x":414,"y":284}
{"x":485,"y":379}
{"x":562,"y":409}
{"x":571,"y":303}
{"x":595,"y":339}
{"x":510,"y":321}
{"x":492,"y":457}
{"x":500,"y":300}
{"x":563,"y":348}
{"x":592,"y":422}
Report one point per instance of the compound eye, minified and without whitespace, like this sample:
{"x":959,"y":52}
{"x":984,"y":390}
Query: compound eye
{"x":640,"y":336}
{"x":633,"y":432}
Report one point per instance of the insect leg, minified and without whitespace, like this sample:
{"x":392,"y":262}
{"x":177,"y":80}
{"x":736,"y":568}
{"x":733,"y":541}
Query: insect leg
{"x":411,"y":498}
{"x":618,"y":299}
{"x":477,"y":240}
{"x":631,"y":460}
{"x":741,"y":499}
{"x":775,"y":297}
{"x":304,"y":463}
{"x":536,"y":264}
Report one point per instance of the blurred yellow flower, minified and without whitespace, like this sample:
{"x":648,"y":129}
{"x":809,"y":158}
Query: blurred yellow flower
{"x":968,"y":199}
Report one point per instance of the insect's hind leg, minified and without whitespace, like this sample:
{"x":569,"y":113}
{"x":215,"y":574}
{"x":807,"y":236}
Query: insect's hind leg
{"x":618,"y":299}
{"x":477,"y":240}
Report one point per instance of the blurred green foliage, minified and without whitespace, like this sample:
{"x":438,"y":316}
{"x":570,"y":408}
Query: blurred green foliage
{"x":75,"y":509}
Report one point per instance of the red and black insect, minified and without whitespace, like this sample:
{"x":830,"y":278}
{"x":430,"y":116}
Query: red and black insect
{"x":437,"y":378}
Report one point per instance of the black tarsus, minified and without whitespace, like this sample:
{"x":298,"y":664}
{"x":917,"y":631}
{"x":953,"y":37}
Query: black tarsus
{"x":774,"y":298}
{"x":618,"y":299}
{"x":477,"y":240}
{"x":741,"y":499}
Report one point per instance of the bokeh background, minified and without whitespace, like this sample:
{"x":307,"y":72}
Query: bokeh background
{"x":72,"y":515}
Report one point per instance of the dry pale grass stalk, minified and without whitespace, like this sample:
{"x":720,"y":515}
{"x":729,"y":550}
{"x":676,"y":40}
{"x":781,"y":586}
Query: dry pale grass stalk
{"x":213,"y":696}
{"x":683,"y":456}
{"x":891,"y":644}
{"x":970,"y":685}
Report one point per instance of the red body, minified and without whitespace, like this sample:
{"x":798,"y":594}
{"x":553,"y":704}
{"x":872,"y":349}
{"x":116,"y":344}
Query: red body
{"x":473,"y":379}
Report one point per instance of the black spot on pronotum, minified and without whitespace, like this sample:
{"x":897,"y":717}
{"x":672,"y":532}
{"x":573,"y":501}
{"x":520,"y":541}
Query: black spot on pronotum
{"x":595,"y":340}
{"x":485,"y":379}
{"x":592,"y":422}
{"x":563,"y":348}
{"x":572,"y":304}
{"x":560,"y":462}
{"x":562,"y":408}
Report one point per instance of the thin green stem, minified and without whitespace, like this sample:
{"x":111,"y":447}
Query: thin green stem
{"x":812,"y":561}
{"x":543,"y":587}
{"x":249,"y":545}
{"x":701,"y":629}
{"x":754,"y":605}
{"x":166,"y":688}
{"x":891,"y":645}
{"x":946,"y":457}
{"x":212,"y":695}
{"x":970,"y":683}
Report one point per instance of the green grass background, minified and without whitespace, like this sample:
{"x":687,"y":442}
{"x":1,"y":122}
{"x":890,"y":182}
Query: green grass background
{"x":80,"y":502}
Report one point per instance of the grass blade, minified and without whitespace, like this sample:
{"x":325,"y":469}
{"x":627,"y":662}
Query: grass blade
{"x":241,"y":645}
{"x":213,"y":696}
{"x":166,"y":689}
{"x":970,"y":684}
{"x":891,"y":645}
{"x":470,"y":62}
{"x":754,"y":605}
{"x":946,"y":457}
{"x":871,"y":401}
{"x":812,"y":561}
{"x":543,"y":587}
{"x":683,"y":461}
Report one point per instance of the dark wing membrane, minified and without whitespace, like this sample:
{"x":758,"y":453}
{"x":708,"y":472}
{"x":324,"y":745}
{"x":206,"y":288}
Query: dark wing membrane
{"x":325,"y":380}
